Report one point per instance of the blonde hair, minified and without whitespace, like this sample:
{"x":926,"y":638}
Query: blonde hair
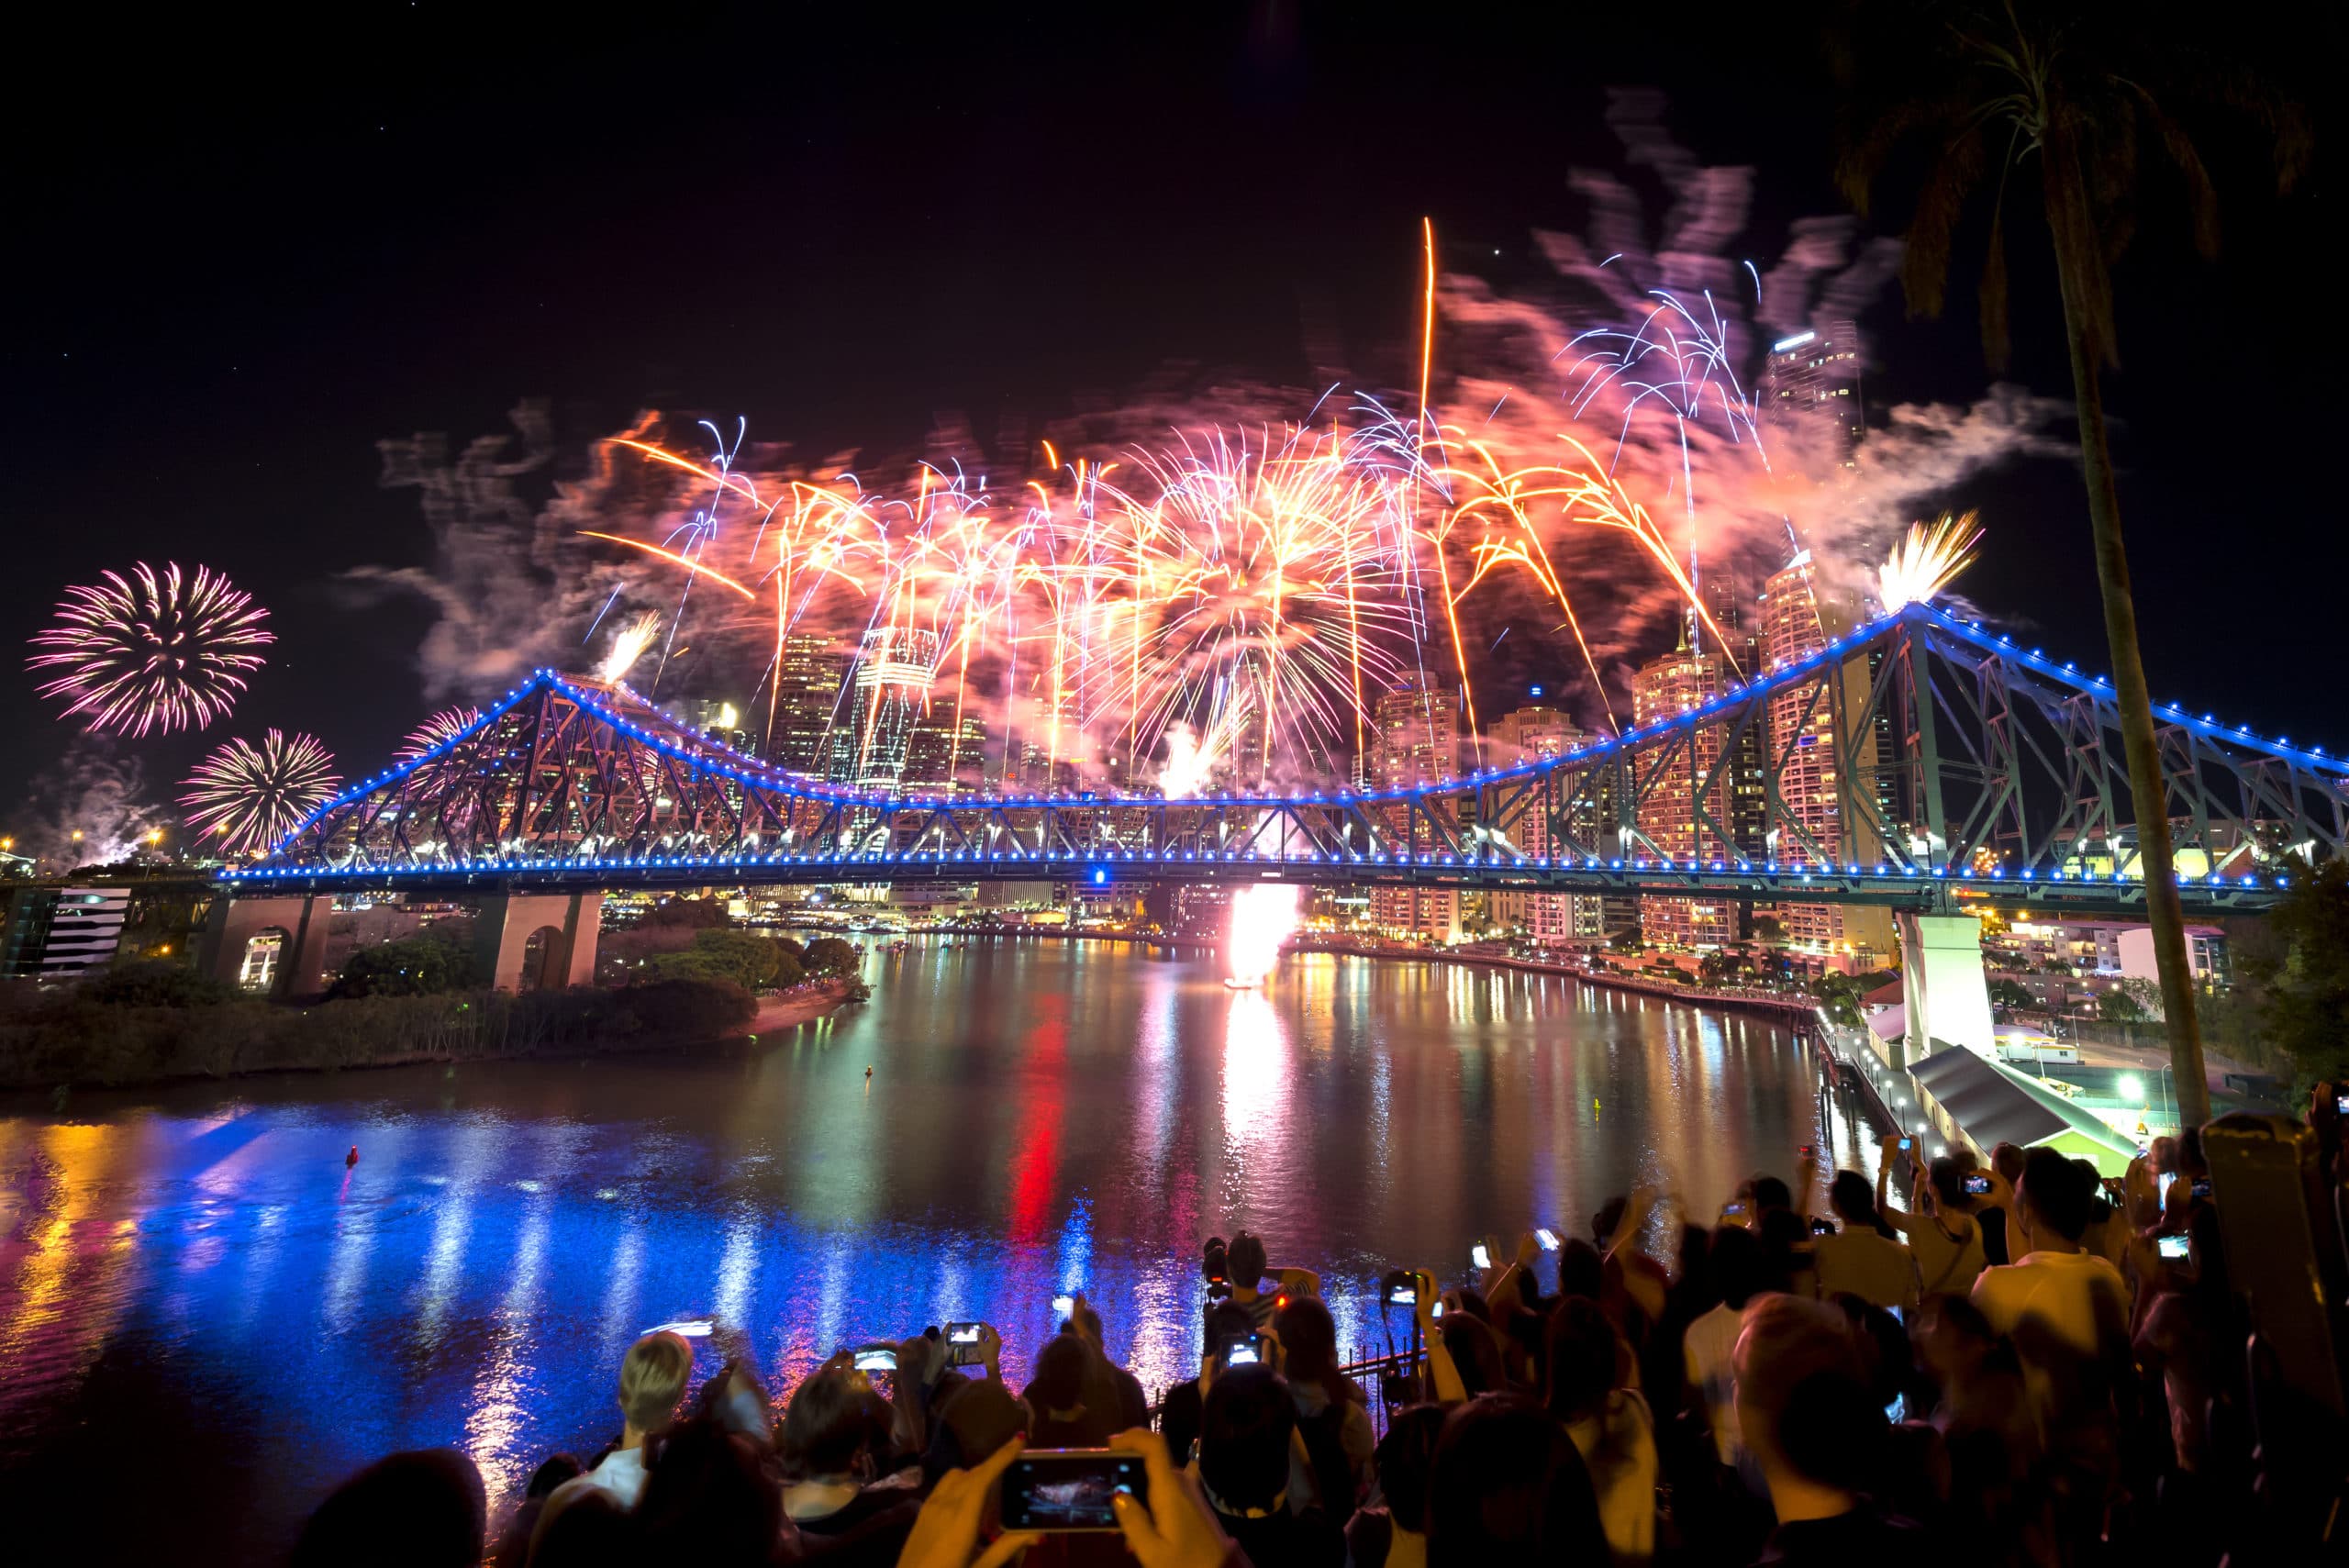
{"x":652,"y":1379}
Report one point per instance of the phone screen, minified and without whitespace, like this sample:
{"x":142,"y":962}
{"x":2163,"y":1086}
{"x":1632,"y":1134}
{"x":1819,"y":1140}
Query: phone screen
{"x":877,"y":1357}
{"x":1978,"y":1186}
{"x":1481,"y":1255}
{"x":1548,"y":1237}
{"x":2203,"y":1188}
{"x":1063,"y":1305}
{"x":1905,"y":1144}
{"x":1070,"y":1489}
{"x":2341,"y":1104}
{"x":1439,"y":1310}
{"x":1245,"y":1351}
{"x":2173,"y":1247}
{"x":1404,"y":1295}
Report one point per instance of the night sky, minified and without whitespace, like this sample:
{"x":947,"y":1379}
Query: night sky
{"x":243,"y":253}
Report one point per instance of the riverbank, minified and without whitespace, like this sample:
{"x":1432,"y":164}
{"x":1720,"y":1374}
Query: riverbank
{"x":1782,"y":1007}
{"x":800,"y":1004}
{"x":52,"y":1040}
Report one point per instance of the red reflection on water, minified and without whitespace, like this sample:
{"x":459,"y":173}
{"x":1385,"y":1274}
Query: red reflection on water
{"x":1035,"y":1166}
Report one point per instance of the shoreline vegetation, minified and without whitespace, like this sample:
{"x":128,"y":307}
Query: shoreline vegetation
{"x":100,"y":1037}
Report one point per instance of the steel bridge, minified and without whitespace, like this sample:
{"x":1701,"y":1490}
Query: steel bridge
{"x":1962,"y":767}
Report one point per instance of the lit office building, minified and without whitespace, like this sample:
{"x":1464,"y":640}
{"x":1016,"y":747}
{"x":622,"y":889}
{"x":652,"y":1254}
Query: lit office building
{"x":1677,"y":682}
{"x":1810,"y":397}
{"x":806,"y":696}
{"x":1418,"y":742}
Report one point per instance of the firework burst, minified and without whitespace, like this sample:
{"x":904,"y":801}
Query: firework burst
{"x":628,"y":645}
{"x":152,"y":652}
{"x":247,"y":797}
{"x":436,"y":732}
{"x":1925,"y":560}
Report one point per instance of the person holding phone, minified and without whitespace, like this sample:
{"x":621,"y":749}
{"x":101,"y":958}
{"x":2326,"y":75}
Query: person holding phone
{"x":2070,"y":1293}
{"x":1178,"y":1413}
{"x":1945,"y":1240}
{"x":1246,"y":1431}
{"x":653,"y":1375}
{"x":835,"y":1443}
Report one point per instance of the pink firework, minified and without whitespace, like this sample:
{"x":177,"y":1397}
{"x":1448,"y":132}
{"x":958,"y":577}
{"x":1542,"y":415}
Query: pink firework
{"x":153,"y":653}
{"x":247,"y":797}
{"x":436,"y":732}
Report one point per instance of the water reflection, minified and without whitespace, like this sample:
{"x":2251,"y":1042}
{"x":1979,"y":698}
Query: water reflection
{"x":197,"y":1267}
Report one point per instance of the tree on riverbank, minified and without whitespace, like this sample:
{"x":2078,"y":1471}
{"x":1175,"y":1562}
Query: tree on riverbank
{"x":832,"y":955}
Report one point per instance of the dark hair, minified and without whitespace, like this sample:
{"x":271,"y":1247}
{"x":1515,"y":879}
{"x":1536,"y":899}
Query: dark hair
{"x":970,"y":1423}
{"x":1583,"y":1346}
{"x":589,"y":1530}
{"x":833,"y":1418}
{"x":1474,"y":1353}
{"x":1946,"y":1175}
{"x":1506,"y":1484}
{"x":707,"y":1500}
{"x":1853,"y":1198}
{"x":1243,"y":1437}
{"x":1245,"y":1257}
{"x":2054,"y":1192}
{"x":1610,"y":1216}
{"x":1061,"y":1367}
{"x":2007,"y":1160}
{"x":1309,"y":1348}
{"x":1738,"y":1270}
{"x":1770,"y":1193}
{"x":1403,"y":1458}
{"x":424,"y":1509}
{"x":1800,"y":1384}
{"x":1581,"y":1270}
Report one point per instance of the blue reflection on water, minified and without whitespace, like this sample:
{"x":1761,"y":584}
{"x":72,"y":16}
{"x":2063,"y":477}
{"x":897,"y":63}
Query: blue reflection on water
{"x":192,"y":1270}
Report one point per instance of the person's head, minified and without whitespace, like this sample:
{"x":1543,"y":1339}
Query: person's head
{"x":1583,"y":1350}
{"x":423,"y":1510}
{"x":1768,"y":1193}
{"x":1581,"y":1270}
{"x":1802,"y":1401}
{"x":1309,"y":1347}
{"x":1244,"y":1429}
{"x":1507,"y":1485}
{"x":708,"y":1500}
{"x":1245,"y":1258}
{"x":1403,"y":1456}
{"x":1057,"y":1389}
{"x":1475,"y":1352}
{"x":1610,"y":1216}
{"x":2007,"y":1160}
{"x":1853,"y":1197}
{"x":1887,"y":1363}
{"x":1735,"y":1262}
{"x":1085,"y":1323}
{"x":2054,"y":1200}
{"x":589,"y":1530}
{"x":970,"y":1424}
{"x":1945,"y":1178}
{"x":835,"y":1425}
{"x":653,"y":1375}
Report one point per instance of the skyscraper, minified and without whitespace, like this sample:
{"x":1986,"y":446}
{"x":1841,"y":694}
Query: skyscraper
{"x":1810,"y":397}
{"x":807,"y":681}
{"x":1418,"y":742}
{"x":1672,"y":684}
{"x":1534,"y":734}
{"x":886,"y":696}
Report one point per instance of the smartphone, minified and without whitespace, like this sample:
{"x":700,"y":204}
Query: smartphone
{"x":1241,"y":1350}
{"x":2203,"y":1188}
{"x":962,"y":1344}
{"x":2173,"y":1247}
{"x":1906,"y":1144}
{"x":1820,"y":1225}
{"x":1404,"y":1295}
{"x":1548,"y":1237}
{"x":1063,"y":1306}
{"x":1979,"y":1187}
{"x":1735,"y":1211}
{"x":1481,"y":1255}
{"x":1439,"y":1310}
{"x":877,"y":1357}
{"x":688,"y":1328}
{"x":2341,"y":1104}
{"x":1068,"y":1489}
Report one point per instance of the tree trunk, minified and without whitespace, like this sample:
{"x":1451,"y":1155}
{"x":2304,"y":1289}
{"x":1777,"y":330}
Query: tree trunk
{"x":2078,"y":249}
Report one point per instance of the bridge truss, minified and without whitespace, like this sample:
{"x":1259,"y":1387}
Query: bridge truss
{"x":1961,"y":766}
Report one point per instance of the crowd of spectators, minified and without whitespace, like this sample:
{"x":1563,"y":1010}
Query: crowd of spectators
{"x":2011,"y":1362}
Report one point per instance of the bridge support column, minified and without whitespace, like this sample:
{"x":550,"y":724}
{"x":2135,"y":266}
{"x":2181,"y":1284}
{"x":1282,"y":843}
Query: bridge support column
{"x":502,"y":929}
{"x":1946,"y":995}
{"x":299,"y":968}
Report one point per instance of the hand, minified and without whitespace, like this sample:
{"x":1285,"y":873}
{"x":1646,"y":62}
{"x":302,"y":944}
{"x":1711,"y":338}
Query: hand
{"x":1529,"y":1250}
{"x":991,"y":1351}
{"x":1177,"y":1530}
{"x":1423,"y":1298}
{"x":946,"y":1531}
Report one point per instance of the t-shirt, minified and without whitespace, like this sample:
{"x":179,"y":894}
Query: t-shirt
{"x":1880,"y":1273}
{"x":1178,"y":1420}
{"x":1861,"y":1536}
{"x":1944,"y":1267}
{"x":621,"y":1474}
{"x":1709,"y":1349}
{"x":2079,"y":1298}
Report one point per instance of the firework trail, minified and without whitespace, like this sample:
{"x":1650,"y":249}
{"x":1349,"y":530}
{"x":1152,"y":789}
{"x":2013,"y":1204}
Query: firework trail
{"x":152,"y":652}
{"x":247,"y":797}
{"x":627,"y":646}
{"x":1926,"y":558}
{"x":436,"y":732}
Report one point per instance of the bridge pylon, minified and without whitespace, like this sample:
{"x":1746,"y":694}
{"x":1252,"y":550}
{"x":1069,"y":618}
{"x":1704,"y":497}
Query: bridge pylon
{"x":566,"y":925}
{"x":1945,"y":994}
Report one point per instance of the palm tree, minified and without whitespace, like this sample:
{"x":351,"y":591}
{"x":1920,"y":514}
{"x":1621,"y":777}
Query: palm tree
{"x":2069,"y":92}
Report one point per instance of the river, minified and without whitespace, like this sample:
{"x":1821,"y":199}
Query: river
{"x":202,"y":1310}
